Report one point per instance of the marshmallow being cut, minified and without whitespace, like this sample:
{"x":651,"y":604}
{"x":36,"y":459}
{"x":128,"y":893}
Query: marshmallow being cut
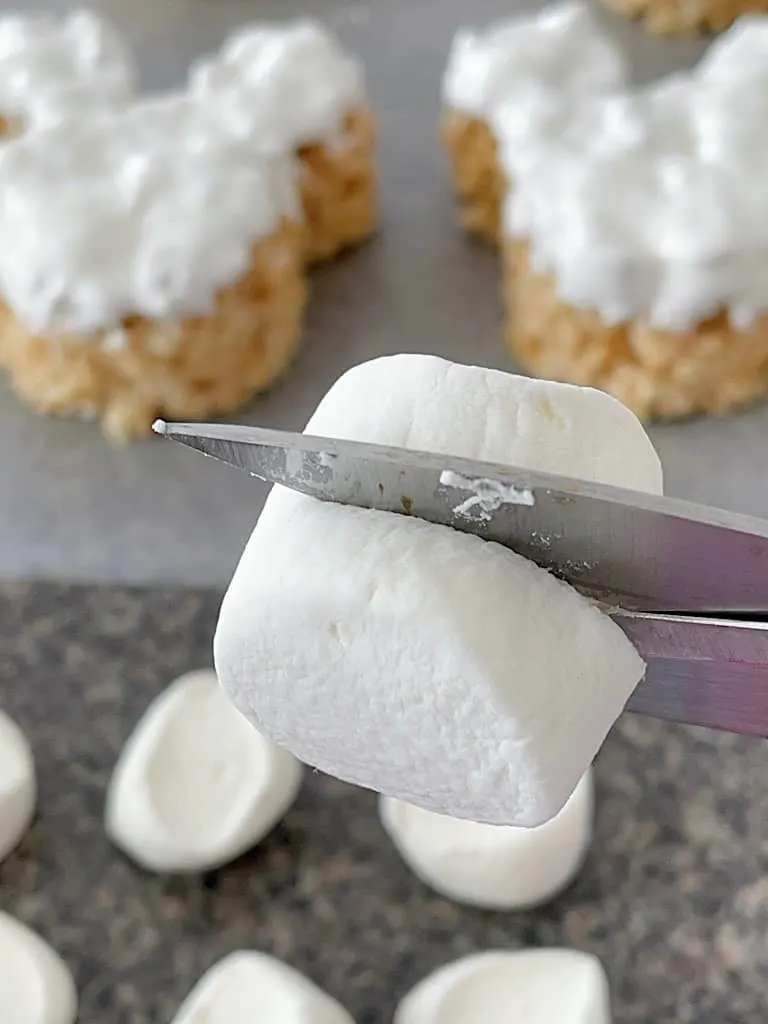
{"x":421,"y":662}
{"x":498,"y":867}
{"x":195,"y":786}
{"x":246,"y":987}
{"x":18,"y":785}
{"x":535,"y":986}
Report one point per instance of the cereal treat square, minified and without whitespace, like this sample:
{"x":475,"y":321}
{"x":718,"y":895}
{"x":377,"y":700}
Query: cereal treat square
{"x":156,"y":270}
{"x":295,"y":90}
{"x":502,"y":79}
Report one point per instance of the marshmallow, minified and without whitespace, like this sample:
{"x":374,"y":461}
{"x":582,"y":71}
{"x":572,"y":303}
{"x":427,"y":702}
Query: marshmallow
{"x":498,"y":867}
{"x":195,"y":786}
{"x":533,"y":60}
{"x":289,"y":85}
{"x":36,"y":986}
{"x":424,"y":663}
{"x":537,"y":986}
{"x":245,"y":987}
{"x":18,"y":785}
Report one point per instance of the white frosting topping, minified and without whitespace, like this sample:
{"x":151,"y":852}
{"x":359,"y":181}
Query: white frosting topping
{"x":195,"y":785}
{"x":535,"y":986}
{"x":289,"y":84}
{"x":494,"y":866}
{"x":652,"y":203}
{"x":246,"y":987}
{"x":50,"y":68}
{"x":36,"y":986}
{"x":539,"y":58}
{"x":149,"y":211}
{"x":425,"y":663}
{"x":18,"y":785}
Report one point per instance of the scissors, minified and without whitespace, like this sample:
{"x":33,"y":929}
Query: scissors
{"x":688,"y":584}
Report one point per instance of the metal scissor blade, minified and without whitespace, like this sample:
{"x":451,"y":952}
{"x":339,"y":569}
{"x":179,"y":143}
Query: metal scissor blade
{"x":701,"y":671}
{"x":632,"y":550}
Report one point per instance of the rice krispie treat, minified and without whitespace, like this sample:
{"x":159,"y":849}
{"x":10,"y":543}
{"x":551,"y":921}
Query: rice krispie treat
{"x":636,"y":239}
{"x":526,"y":66}
{"x":52,"y":67}
{"x":686,"y":17}
{"x":294,"y":89}
{"x":156,"y":266}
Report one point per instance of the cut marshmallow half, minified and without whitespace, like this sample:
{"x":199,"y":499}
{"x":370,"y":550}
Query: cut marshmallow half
{"x":36,"y":986}
{"x":18,"y":785}
{"x":532,"y":986}
{"x":195,"y":785}
{"x":498,"y":867}
{"x":246,"y":987}
{"x":418,"y":661}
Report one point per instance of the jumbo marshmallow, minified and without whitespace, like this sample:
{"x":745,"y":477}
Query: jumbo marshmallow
{"x":424,"y":663}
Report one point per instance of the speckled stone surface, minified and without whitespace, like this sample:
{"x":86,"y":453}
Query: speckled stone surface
{"x":674,"y":897}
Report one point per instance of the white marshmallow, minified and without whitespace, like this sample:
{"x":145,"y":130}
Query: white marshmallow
{"x":150,"y":211}
{"x":54,"y":69}
{"x":18,"y":785}
{"x":195,"y":785}
{"x":288,"y":85}
{"x":498,"y":867}
{"x":535,"y":59}
{"x":36,"y":986}
{"x":427,"y":664}
{"x":537,"y":986}
{"x":648,"y":203}
{"x":245,"y":987}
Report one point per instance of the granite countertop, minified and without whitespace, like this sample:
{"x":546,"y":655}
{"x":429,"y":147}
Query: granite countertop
{"x":674,"y":896}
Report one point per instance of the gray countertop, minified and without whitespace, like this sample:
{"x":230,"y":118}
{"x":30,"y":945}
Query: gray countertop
{"x":71,"y":506}
{"x":673,"y":897}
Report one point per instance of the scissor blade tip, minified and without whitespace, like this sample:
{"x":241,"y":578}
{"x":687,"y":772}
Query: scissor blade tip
{"x":160,"y":427}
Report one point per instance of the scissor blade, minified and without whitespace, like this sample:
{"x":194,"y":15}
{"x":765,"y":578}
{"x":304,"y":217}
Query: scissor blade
{"x":636,"y":551}
{"x":701,"y":671}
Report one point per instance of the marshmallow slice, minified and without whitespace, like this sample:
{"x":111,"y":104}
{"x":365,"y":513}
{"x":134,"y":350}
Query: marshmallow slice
{"x":36,"y":986}
{"x":421,"y":662}
{"x":246,"y":987}
{"x":18,"y":785}
{"x":534,"y":986}
{"x":498,"y":867}
{"x":195,"y":785}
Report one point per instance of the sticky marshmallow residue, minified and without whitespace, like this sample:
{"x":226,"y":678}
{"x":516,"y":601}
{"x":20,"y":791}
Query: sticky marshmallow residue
{"x":195,"y":785}
{"x":51,"y":68}
{"x":36,"y":987}
{"x":536,"y":59}
{"x":247,"y":986}
{"x":288,"y":85}
{"x":485,"y":496}
{"x":422,"y":662}
{"x":537,"y":986}
{"x":652,"y":203}
{"x":150,"y":211}
{"x":497,"y":867}
{"x":18,"y":785}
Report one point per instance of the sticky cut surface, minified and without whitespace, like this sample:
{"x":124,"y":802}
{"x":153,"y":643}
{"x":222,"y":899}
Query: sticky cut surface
{"x":534,"y":986}
{"x":493,"y":866}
